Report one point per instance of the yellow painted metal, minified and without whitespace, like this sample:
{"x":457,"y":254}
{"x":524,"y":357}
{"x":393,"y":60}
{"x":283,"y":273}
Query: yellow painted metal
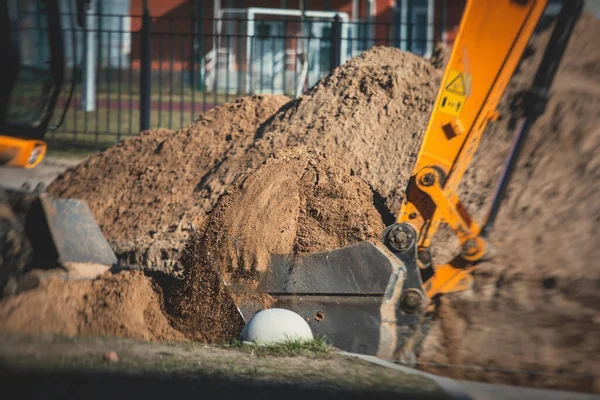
{"x":24,"y":153}
{"x":447,"y":208}
{"x":448,"y":279}
{"x":492,"y":37}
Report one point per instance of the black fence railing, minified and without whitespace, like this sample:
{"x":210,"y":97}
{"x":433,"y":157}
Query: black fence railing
{"x":137,"y":72}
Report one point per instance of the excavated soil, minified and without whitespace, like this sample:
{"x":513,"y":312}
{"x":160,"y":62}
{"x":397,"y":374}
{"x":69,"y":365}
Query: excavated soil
{"x":298,"y":200}
{"x":145,"y":191}
{"x":127,"y":304}
{"x":371,"y":113}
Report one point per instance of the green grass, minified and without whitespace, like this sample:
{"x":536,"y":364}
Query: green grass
{"x":106,"y":126}
{"x":164,"y":95}
{"x":27,"y":89}
{"x":238,"y":361}
{"x":114,"y":124}
{"x":318,"y":347}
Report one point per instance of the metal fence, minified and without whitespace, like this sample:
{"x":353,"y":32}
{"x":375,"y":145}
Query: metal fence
{"x":133,"y":72}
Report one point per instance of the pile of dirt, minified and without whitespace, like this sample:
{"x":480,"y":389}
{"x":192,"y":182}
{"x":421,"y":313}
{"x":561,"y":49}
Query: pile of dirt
{"x":127,"y":304}
{"x":536,"y":305}
{"x":145,"y":191}
{"x":371,"y":112}
{"x":441,"y":55}
{"x":298,"y":200}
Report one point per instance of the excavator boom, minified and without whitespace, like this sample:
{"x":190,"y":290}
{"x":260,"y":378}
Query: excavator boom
{"x":491,"y":39}
{"x":377,"y":298}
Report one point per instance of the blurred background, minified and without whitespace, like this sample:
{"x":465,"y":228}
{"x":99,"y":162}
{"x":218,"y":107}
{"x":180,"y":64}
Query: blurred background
{"x":205,"y":53}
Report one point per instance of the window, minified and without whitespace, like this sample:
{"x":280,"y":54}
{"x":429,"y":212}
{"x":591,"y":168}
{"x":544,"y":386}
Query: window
{"x":264,"y":30}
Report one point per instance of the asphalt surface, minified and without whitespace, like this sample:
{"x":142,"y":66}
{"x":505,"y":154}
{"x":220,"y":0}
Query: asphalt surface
{"x":469,"y":390}
{"x":73,"y":384}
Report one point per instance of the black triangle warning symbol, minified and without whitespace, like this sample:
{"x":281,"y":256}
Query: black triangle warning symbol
{"x":457,"y":85}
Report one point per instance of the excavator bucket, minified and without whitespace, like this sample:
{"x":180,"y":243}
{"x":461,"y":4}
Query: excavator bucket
{"x":59,"y":232}
{"x":364,"y":298}
{"x":64,"y":232}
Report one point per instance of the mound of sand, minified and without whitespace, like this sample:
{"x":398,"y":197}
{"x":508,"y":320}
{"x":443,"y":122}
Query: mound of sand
{"x":371,"y":113}
{"x":145,"y":191}
{"x":298,"y":200}
{"x":127,"y":304}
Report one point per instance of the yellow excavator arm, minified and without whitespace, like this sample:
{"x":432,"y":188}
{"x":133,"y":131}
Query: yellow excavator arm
{"x":372,"y":297}
{"x":375,"y":297}
{"x":492,"y":37}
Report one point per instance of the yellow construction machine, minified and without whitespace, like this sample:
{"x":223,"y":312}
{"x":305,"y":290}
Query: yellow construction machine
{"x":22,"y":126}
{"x":378,"y":297}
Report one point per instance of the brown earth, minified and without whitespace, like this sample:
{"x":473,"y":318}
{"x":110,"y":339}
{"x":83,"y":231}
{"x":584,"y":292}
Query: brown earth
{"x":541,"y":279}
{"x":127,"y":304}
{"x":298,"y":200}
{"x":371,"y":113}
{"x":145,"y":191}
{"x":441,"y":55}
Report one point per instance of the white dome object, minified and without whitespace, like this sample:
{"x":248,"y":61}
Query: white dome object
{"x":276,"y":325}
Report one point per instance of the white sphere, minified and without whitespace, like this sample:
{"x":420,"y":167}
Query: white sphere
{"x":276,"y":325}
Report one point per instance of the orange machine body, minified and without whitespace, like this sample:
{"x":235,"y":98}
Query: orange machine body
{"x":19,"y":152}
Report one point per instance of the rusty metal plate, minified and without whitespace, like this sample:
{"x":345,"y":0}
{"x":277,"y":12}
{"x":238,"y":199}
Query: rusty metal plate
{"x":65,"y":229}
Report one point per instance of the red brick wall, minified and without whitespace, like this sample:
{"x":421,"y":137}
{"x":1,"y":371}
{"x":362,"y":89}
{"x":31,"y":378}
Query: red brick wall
{"x":172,"y":21}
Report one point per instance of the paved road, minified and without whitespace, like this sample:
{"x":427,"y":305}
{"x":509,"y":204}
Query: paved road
{"x":469,"y":390}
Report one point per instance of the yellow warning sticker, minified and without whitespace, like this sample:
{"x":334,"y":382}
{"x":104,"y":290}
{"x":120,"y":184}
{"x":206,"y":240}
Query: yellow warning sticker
{"x":455,"y":93}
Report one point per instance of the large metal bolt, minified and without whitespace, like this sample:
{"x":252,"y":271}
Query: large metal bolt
{"x":469,"y":248}
{"x":400,"y":238}
{"x":428,"y":179}
{"x":412,"y":301}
